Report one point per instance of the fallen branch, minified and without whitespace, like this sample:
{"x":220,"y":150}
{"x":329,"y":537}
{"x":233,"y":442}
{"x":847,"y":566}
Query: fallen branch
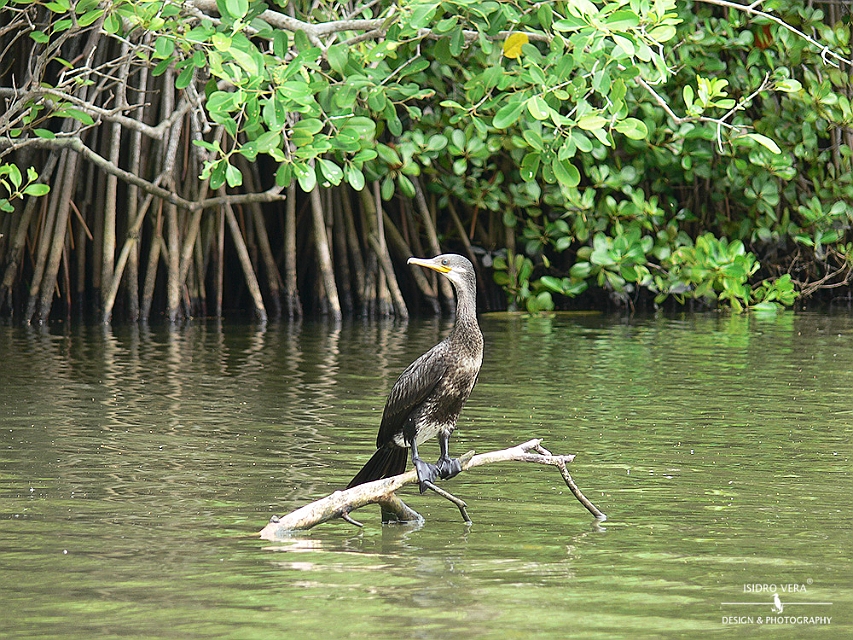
{"x":382,"y":492}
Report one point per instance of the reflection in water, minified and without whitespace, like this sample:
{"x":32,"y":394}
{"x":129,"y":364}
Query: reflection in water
{"x":138,"y":464}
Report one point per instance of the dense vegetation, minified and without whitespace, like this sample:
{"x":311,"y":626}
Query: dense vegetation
{"x":643,"y":152}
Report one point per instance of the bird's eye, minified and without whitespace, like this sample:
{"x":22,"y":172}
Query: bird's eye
{"x":445,"y":262}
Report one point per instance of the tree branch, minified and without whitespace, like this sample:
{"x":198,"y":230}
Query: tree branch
{"x":111,"y":115}
{"x":75,"y":144}
{"x":751,"y":10}
{"x":287,"y":23}
{"x":341,"y":503}
{"x":375,"y":27}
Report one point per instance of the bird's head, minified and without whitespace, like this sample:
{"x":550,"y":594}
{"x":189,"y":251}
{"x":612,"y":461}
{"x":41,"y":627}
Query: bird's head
{"x":454,"y":267}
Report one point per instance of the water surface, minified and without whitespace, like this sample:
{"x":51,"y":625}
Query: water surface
{"x":138,"y":465}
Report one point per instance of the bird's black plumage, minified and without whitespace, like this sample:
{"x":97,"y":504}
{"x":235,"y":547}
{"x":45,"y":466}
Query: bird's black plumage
{"x":429,"y":395}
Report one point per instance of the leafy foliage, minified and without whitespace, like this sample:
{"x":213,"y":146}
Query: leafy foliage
{"x":639,"y":147}
{"x":13,"y":183}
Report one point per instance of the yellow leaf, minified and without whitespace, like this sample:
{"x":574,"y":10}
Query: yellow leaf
{"x":513,"y":44}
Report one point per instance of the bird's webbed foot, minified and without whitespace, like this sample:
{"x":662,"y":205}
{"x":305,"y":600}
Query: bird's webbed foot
{"x":427,"y":473}
{"x":448,"y":467}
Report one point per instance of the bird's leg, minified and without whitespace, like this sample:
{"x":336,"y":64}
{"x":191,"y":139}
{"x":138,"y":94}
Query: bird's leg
{"x":426,"y":472}
{"x":447,"y":467}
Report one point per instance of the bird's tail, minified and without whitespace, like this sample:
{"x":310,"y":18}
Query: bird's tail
{"x":386,"y":462}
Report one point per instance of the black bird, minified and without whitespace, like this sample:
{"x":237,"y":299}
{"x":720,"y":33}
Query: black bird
{"x":429,"y":394}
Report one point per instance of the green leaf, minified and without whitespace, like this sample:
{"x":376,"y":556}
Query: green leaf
{"x":436,"y":142}
{"x":338,"y":56}
{"x":161,"y":67}
{"x":354,"y":177}
{"x":233,"y":176}
{"x":306,"y":177}
{"x":789,"y":86}
{"x":583,"y":143}
{"x":552,"y":283}
{"x":622,"y":20}
{"x":14,"y":175}
{"x":507,"y":115}
{"x":39,"y":37}
{"x":538,"y":108}
{"x":422,"y":15}
{"x":245,"y":54}
{"x":221,"y":41}
{"x":112,"y":24}
{"x":47,"y":134}
{"x":688,"y":95}
{"x":62,"y":25}
{"x":80,"y":116}
{"x":330,"y":171}
{"x":89,"y":18}
{"x":632,"y":128}
{"x":387,"y":188}
{"x":220,"y":103}
{"x":570,"y":23}
{"x":624,"y":43}
{"x":530,"y":166}
{"x":591,"y":122}
{"x":566,"y":173}
{"x":59,"y":6}
{"x":457,"y":42}
{"x":284,"y":175}
{"x":163,"y":47}
{"x":237,"y":8}
{"x":583,"y":7}
{"x":662,"y":33}
{"x":364,"y":127}
{"x":217,"y":175}
{"x":406,"y":186}
{"x":185,"y":77}
{"x":199,"y":59}
{"x":765,"y":142}
{"x":388,"y":155}
{"x":280,"y":44}
{"x":533,"y":138}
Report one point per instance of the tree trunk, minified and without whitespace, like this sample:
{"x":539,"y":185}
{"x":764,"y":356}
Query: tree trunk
{"x":220,"y":261}
{"x":291,"y":292}
{"x":246,"y":263}
{"x":324,"y":256}
{"x":444,"y":288}
{"x":356,"y":261}
{"x":375,"y":237}
{"x":153,"y":265}
{"x":400,"y":246}
{"x":19,"y":240}
{"x":48,"y":284}
{"x":173,"y":283}
{"x":44,"y":238}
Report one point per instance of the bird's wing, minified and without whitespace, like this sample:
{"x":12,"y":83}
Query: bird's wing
{"x":412,"y":387}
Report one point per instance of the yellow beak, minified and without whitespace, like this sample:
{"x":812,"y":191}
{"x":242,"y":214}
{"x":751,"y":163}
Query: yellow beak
{"x":429,"y":264}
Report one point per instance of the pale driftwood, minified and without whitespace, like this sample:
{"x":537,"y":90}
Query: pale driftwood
{"x":382,"y":492}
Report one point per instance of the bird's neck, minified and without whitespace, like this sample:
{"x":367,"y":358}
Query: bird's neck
{"x":466,"y":307}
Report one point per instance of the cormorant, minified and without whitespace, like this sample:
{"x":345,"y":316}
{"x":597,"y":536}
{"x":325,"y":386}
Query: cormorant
{"x":428,"y":396}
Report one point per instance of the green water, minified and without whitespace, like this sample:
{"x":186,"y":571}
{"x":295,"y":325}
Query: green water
{"x":137,"y":466}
